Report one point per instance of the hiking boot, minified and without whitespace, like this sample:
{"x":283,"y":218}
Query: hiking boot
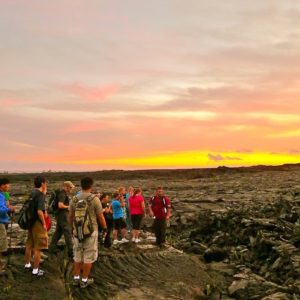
{"x":40,"y":273}
{"x":83,"y":284}
{"x":124,"y":240}
{"x":162,"y":246}
{"x":76,"y":282}
{"x":44,"y":256}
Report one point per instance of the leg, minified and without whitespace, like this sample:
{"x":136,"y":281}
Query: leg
{"x":107,"y":241}
{"x":86,"y":270}
{"x":156,"y":231}
{"x":115,"y":234}
{"x":3,"y":243}
{"x":68,"y":236}
{"x":128,"y":220}
{"x":124,"y":232}
{"x":57,"y":235}
{"x":163,"y":231}
{"x":77,"y":268}
{"x":37,"y":259}
{"x":29,"y":248}
{"x":28,"y":254}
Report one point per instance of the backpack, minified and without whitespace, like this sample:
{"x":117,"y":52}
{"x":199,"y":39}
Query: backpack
{"x":82,"y":224}
{"x":28,"y":214}
{"x":53,"y":201}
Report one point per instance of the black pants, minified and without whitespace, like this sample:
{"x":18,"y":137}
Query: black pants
{"x":62,"y":228}
{"x":159,"y":228}
{"x":110,"y":225}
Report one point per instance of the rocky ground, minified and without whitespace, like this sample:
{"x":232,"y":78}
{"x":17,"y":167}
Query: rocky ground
{"x":234,"y":234}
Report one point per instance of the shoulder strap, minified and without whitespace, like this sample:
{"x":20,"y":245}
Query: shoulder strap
{"x":163,"y":200}
{"x":90,"y":198}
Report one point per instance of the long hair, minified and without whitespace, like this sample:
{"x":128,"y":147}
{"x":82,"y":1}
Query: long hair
{"x":136,"y":191}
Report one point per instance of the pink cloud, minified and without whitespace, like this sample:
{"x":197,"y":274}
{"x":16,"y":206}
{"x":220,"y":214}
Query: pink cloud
{"x":10,"y":102}
{"x":92,"y":94}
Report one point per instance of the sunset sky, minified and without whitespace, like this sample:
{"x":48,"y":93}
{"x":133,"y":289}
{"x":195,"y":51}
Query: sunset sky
{"x":133,"y":84}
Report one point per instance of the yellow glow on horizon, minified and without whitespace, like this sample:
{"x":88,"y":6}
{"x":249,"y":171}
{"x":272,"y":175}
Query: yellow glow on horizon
{"x":197,"y":159}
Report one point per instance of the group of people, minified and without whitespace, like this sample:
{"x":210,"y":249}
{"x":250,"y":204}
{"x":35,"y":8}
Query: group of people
{"x":83,"y":220}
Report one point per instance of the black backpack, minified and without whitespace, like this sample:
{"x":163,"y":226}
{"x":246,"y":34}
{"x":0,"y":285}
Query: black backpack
{"x":28,"y":214}
{"x":53,"y":201}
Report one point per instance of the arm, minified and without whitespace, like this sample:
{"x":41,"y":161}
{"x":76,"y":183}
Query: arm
{"x":61,"y":199}
{"x":169,"y":213}
{"x":168,"y":203}
{"x":123,"y":203}
{"x":143,"y":206}
{"x":99,"y":213}
{"x":42,"y":218}
{"x":4,"y":207}
{"x":102,"y":221}
{"x":150,"y":208}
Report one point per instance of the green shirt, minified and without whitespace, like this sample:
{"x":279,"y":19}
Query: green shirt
{"x":6,"y":195}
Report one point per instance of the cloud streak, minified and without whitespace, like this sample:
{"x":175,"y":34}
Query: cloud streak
{"x":186,"y":85}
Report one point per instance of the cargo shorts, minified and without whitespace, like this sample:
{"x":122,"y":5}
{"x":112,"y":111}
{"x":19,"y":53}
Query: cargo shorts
{"x":37,"y":237}
{"x":3,"y":238}
{"x":87,"y":251}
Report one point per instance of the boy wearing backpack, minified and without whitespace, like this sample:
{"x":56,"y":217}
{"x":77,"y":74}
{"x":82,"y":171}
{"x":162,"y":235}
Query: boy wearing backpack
{"x":4,"y":219}
{"x":60,"y":206}
{"x":37,"y":233}
{"x":160,"y":210}
{"x":85,"y":211}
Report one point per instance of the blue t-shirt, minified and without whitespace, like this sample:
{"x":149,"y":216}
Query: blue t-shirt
{"x":4,"y":219}
{"x":117,"y":208}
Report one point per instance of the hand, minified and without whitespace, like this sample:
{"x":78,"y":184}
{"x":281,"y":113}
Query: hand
{"x":12,"y":208}
{"x":45,"y":227}
{"x":168,"y":217}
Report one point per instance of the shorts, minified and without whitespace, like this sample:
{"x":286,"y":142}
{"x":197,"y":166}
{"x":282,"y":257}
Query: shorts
{"x":119,"y":224}
{"x":3,"y":239}
{"x":136,"y":221}
{"x":37,"y":237}
{"x":87,"y":251}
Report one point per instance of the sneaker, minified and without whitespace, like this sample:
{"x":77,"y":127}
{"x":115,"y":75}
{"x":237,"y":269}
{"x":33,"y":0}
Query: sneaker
{"x":133,"y":240}
{"x":124,"y":240}
{"x":83,"y":284}
{"x":76,"y":282}
{"x":116,"y":242}
{"x":28,"y":267}
{"x":40,"y":273}
{"x":137,"y":241}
